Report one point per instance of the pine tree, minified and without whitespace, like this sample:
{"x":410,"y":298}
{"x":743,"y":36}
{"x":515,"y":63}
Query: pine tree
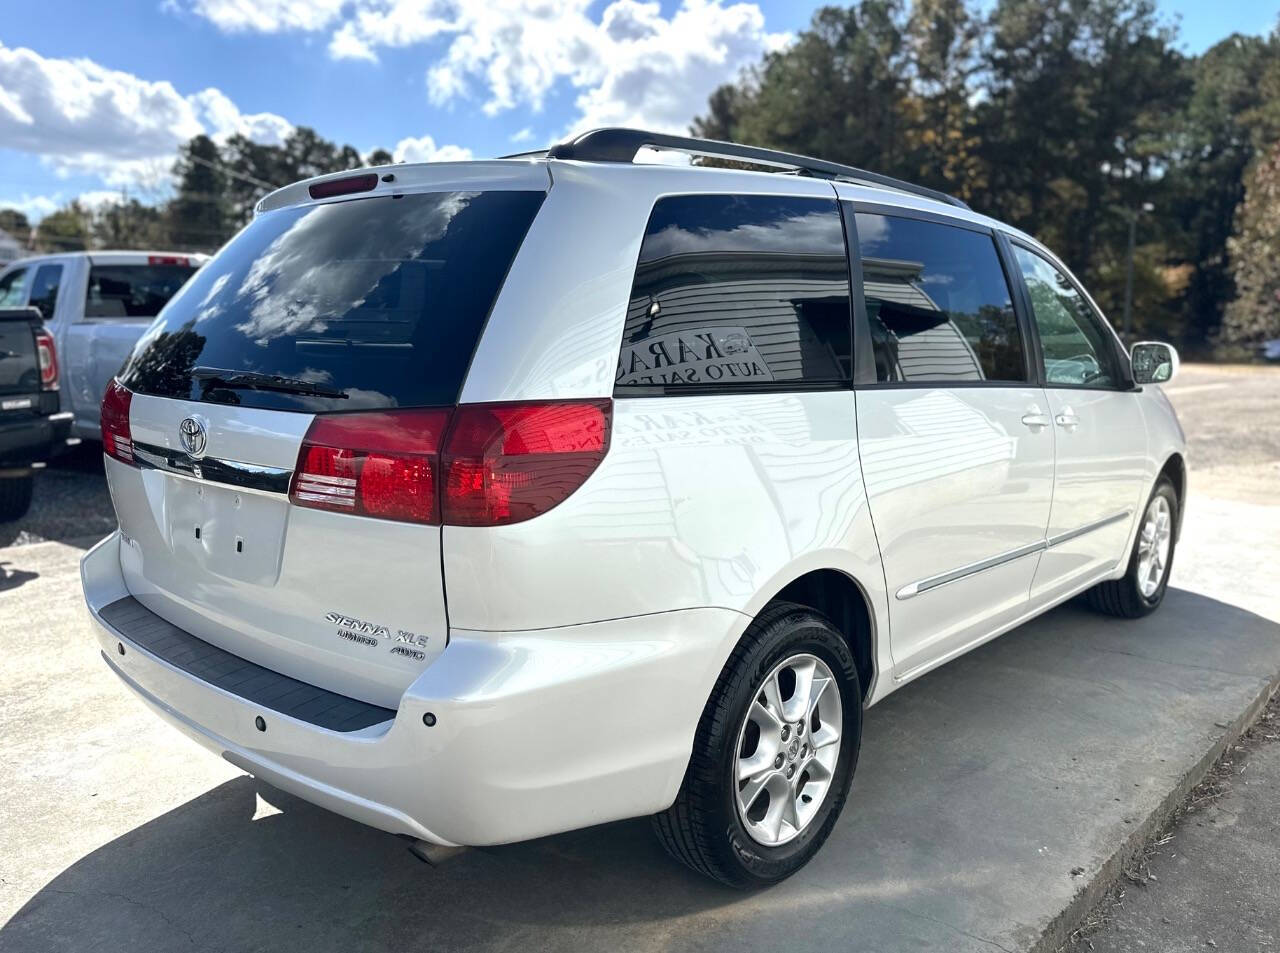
{"x":1254,"y":315}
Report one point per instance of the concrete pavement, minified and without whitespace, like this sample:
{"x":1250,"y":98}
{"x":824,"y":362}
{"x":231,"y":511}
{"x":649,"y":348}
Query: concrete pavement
{"x":995,"y":798}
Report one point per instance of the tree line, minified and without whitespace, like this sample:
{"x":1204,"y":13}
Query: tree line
{"x":1075,"y":120}
{"x":215,"y":189}
{"x":1066,"y":118}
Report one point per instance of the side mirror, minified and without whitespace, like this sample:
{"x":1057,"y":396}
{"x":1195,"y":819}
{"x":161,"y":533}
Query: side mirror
{"x":1153,"y":362}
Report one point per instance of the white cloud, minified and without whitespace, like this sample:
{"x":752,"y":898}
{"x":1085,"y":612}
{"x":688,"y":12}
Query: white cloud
{"x":630,"y":65}
{"x":83,"y":118}
{"x":35,"y":207}
{"x":523,"y":135}
{"x":268,"y":16}
{"x":424,"y":149}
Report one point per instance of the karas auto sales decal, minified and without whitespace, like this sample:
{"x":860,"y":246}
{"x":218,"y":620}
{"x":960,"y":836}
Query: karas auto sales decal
{"x":693,"y":356}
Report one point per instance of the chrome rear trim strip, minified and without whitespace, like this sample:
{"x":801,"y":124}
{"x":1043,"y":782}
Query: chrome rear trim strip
{"x":933,"y":582}
{"x":244,"y":476}
{"x":1072,"y":534}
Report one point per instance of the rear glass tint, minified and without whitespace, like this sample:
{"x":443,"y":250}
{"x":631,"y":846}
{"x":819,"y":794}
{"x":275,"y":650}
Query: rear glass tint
{"x":380,"y":298}
{"x":132,"y":291}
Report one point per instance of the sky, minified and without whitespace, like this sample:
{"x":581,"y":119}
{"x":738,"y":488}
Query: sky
{"x":96,"y":97}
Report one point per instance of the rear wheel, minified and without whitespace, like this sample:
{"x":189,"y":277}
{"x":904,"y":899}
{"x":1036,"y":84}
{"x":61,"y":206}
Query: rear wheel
{"x":1141,"y":589}
{"x":773,"y":755}
{"x":15,"y":496}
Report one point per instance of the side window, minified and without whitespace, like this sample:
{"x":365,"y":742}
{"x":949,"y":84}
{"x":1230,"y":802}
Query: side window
{"x":734,"y":289}
{"x":13,"y":289}
{"x":938,"y":303}
{"x":44,"y":289}
{"x":1077,"y":350}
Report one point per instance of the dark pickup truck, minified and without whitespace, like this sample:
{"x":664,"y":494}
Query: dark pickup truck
{"x":32,"y":428}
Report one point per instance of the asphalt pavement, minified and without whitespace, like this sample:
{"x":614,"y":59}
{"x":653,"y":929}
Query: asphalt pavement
{"x":997,"y":798}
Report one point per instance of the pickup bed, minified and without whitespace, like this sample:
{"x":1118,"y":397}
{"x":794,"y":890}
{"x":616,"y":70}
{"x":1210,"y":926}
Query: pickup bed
{"x":32,"y":426}
{"x":96,"y":305}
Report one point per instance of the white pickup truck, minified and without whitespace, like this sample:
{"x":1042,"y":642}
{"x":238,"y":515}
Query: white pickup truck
{"x":96,"y":305}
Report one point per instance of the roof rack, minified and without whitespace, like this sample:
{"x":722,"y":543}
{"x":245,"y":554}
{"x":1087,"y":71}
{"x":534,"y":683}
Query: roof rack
{"x":621,"y":145}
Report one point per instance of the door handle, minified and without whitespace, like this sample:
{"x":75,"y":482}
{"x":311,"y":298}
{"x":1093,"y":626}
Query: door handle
{"x":1067,"y":420}
{"x":1034,"y":419}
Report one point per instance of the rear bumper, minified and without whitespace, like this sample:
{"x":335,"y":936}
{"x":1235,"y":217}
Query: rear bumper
{"x":33,"y":439}
{"x":535,"y":732}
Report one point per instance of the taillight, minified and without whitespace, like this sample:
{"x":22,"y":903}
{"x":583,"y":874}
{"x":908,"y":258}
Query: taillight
{"x":117,"y":438}
{"x":505,"y":463}
{"x":499,"y":464}
{"x":344,"y":186}
{"x":380,"y":464}
{"x":48,"y":355}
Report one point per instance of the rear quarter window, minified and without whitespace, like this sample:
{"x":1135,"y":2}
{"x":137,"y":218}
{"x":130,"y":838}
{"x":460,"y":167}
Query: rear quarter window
{"x":739,"y":291}
{"x":382,"y":298}
{"x":132,"y":291}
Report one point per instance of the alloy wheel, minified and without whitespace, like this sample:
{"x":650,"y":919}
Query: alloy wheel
{"x":787,"y":751}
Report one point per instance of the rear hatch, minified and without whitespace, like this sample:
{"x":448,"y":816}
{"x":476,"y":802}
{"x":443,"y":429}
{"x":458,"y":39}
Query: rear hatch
{"x":322,"y":329}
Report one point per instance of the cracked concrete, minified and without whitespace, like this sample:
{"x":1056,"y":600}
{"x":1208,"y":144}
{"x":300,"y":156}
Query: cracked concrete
{"x":991,"y":796}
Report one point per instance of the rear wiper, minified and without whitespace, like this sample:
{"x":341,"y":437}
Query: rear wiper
{"x":252,"y":380}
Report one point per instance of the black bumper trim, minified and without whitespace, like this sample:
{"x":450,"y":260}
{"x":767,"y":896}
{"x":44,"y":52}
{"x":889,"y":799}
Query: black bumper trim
{"x":252,"y":682}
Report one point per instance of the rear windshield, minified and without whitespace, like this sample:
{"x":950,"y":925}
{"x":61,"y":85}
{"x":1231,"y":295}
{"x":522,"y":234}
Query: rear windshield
{"x":133,"y":291}
{"x":381,"y":299}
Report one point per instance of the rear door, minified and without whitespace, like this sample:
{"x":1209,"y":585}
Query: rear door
{"x":369,"y":306}
{"x":1098,"y":427}
{"x":955,"y":435}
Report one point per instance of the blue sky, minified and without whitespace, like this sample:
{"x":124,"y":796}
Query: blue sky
{"x":95,"y":97}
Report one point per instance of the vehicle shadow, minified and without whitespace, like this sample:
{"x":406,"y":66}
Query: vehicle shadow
{"x":984,"y":789}
{"x":13,"y":578}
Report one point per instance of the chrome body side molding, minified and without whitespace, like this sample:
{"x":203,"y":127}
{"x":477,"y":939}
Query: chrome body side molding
{"x":941,"y":579}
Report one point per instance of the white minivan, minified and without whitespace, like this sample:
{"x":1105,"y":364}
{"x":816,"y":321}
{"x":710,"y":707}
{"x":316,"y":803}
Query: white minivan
{"x":480,"y":501}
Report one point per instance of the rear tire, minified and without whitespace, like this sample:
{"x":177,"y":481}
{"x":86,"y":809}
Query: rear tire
{"x":705,"y":827}
{"x":15,"y":497}
{"x":1141,"y":589}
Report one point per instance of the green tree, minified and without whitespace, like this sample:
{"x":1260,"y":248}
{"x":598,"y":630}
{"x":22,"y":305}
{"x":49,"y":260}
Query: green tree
{"x":837,"y":92}
{"x":944,"y":43}
{"x":1233,"y":111}
{"x":380,"y":157}
{"x":1253,"y":316}
{"x":15,"y":223}
{"x":198,"y":214}
{"x":129,"y":224}
{"x":67,"y":229}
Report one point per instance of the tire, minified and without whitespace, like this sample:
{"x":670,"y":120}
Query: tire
{"x":15,"y":497}
{"x":1125,"y":597}
{"x":704,"y":828}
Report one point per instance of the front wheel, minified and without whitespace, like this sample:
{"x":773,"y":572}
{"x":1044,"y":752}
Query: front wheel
{"x":1141,"y":589}
{"x":773,"y":755}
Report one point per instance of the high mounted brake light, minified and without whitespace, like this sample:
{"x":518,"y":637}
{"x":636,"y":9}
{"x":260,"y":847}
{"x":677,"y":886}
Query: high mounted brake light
{"x":343,"y":186}
{"x":478,"y":465}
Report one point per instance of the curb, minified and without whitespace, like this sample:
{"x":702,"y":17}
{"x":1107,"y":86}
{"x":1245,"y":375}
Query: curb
{"x":1058,"y":932}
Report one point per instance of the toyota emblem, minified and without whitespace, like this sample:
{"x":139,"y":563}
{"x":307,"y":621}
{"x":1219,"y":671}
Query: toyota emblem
{"x":192,"y":434}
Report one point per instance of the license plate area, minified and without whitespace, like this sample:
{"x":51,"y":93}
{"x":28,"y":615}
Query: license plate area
{"x":231,"y":533}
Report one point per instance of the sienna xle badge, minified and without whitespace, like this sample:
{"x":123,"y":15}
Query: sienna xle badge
{"x":481,"y":501}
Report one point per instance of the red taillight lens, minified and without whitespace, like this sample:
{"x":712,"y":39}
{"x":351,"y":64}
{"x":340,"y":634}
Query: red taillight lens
{"x":117,"y":438}
{"x":48,"y":355}
{"x":380,"y":464}
{"x":501,"y":463}
{"x":505,"y":463}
